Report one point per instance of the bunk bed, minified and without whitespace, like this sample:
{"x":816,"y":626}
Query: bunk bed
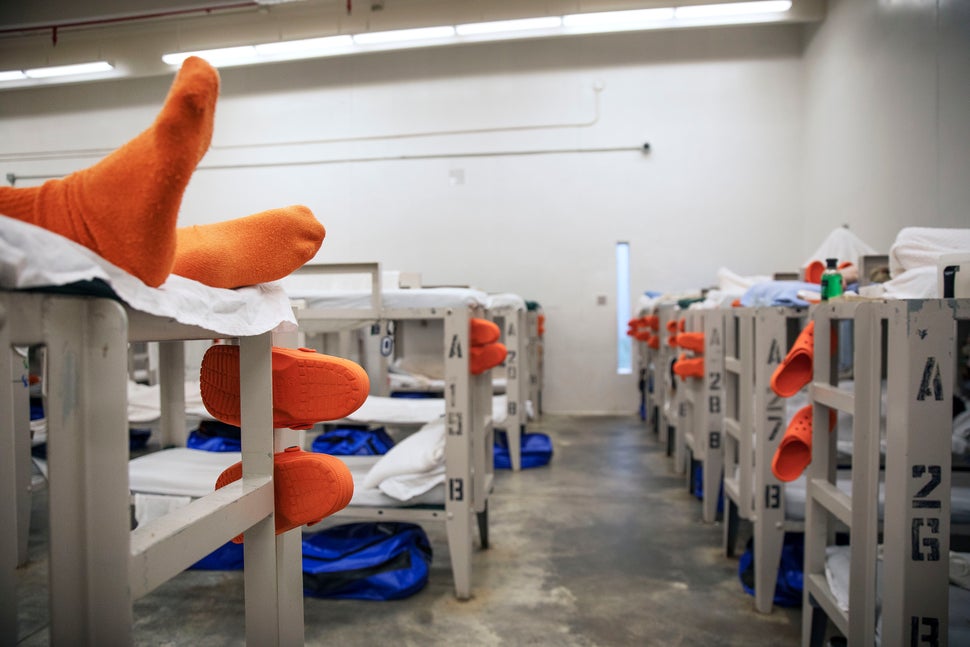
{"x":704,"y":398}
{"x":510,"y":312}
{"x":666,"y":392}
{"x":911,"y":345}
{"x":468,"y":404}
{"x":755,"y":418}
{"x":70,"y":300}
{"x":535,"y":357}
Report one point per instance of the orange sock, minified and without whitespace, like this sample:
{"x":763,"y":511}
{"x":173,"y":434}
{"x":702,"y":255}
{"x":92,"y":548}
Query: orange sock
{"x":482,"y":358}
{"x":125,"y":207}
{"x":307,"y":487}
{"x":262,"y":247}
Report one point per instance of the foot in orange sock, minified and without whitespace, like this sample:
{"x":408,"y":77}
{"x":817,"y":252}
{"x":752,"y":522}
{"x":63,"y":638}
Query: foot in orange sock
{"x":308,"y":387}
{"x":262,"y":247}
{"x":483,"y":331}
{"x":125,"y":207}
{"x":482,"y":358}
{"x":795,"y":371}
{"x":307,"y":487}
{"x":693,"y":341}
{"x":689,"y":367}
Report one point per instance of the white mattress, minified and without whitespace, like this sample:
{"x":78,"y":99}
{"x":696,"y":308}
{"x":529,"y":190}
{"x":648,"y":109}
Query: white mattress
{"x":413,"y":411}
{"x":392,"y":298}
{"x":505,"y":300}
{"x":33,"y":257}
{"x":186,"y":474}
{"x":795,"y":499}
{"x":837,"y":577}
{"x":415,"y":383}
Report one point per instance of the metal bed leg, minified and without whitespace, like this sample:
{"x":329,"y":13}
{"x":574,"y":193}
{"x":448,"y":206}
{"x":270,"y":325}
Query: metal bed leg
{"x":483,"y":526}
{"x":87,"y":449}
{"x":10,"y":530}
{"x":731,"y":523}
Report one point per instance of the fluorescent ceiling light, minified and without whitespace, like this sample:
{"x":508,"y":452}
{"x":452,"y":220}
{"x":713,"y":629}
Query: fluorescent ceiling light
{"x":499,"y":26}
{"x":403,"y":35}
{"x":309,"y":46}
{"x":617,"y":20}
{"x":68,"y":70}
{"x":733,"y":9}
{"x":221,"y":57}
{"x":12,"y":75}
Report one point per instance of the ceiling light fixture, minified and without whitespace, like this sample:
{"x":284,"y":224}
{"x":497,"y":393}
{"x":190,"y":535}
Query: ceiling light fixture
{"x":68,"y":70}
{"x":501,"y":26}
{"x":630,"y":20}
{"x":404,"y":35}
{"x":733,"y":9}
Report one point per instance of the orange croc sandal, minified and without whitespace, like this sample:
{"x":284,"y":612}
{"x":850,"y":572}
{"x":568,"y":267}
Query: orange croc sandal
{"x":308,"y":387}
{"x":482,"y":358}
{"x":693,"y":341}
{"x":483,"y":331}
{"x":795,"y":371}
{"x":307,"y":487}
{"x":794,"y":452}
{"x":693,"y":367}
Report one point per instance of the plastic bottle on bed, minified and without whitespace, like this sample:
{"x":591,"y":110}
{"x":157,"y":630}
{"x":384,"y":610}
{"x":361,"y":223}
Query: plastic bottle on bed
{"x":831,"y":280}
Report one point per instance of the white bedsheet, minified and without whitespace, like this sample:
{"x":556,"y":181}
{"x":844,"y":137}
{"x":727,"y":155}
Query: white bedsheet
{"x":32,"y":257}
{"x":171,"y":478}
{"x":413,"y":411}
{"x":144,"y":402}
{"x":392,"y":298}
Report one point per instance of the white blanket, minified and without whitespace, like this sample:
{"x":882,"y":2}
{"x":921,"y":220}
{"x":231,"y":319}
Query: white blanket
{"x":922,"y":246}
{"x":413,"y":466}
{"x":842,"y":244}
{"x":33,"y":257}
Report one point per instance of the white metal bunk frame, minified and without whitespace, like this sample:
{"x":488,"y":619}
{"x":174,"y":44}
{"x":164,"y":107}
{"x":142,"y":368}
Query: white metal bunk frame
{"x":666,"y":394}
{"x":918,"y":339}
{"x":534,"y":355}
{"x":649,"y":361}
{"x":703,"y":436}
{"x":469,"y":449}
{"x":758,"y":341}
{"x":514,"y":325}
{"x":98,"y":566}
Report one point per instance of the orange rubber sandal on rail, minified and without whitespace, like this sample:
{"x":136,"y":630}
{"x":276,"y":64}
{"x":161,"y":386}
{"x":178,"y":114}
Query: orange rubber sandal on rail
{"x":482,"y":331}
{"x":482,"y":358}
{"x":308,"y":387}
{"x":307,"y":487}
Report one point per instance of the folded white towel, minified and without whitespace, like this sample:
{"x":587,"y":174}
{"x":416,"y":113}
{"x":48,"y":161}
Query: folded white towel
{"x":418,"y":454}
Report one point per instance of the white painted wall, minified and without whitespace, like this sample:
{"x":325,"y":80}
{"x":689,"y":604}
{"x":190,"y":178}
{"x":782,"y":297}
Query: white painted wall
{"x":762,"y":141}
{"x":887,"y":107}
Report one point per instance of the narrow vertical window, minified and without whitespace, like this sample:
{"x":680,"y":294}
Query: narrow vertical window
{"x":624,"y":359}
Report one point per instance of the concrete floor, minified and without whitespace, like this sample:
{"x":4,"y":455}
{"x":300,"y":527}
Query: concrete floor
{"x":604,"y":546}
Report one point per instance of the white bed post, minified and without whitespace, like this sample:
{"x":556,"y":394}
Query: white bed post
{"x":713,"y":411}
{"x":922,"y":336}
{"x":737,"y":422}
{"x":458,"y":443}
{"x":171,"y":376}
{"x":269,"y":610}
{"x":13,"y":499}
{"x":87,"y":445}
{"x":771,"y":346}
